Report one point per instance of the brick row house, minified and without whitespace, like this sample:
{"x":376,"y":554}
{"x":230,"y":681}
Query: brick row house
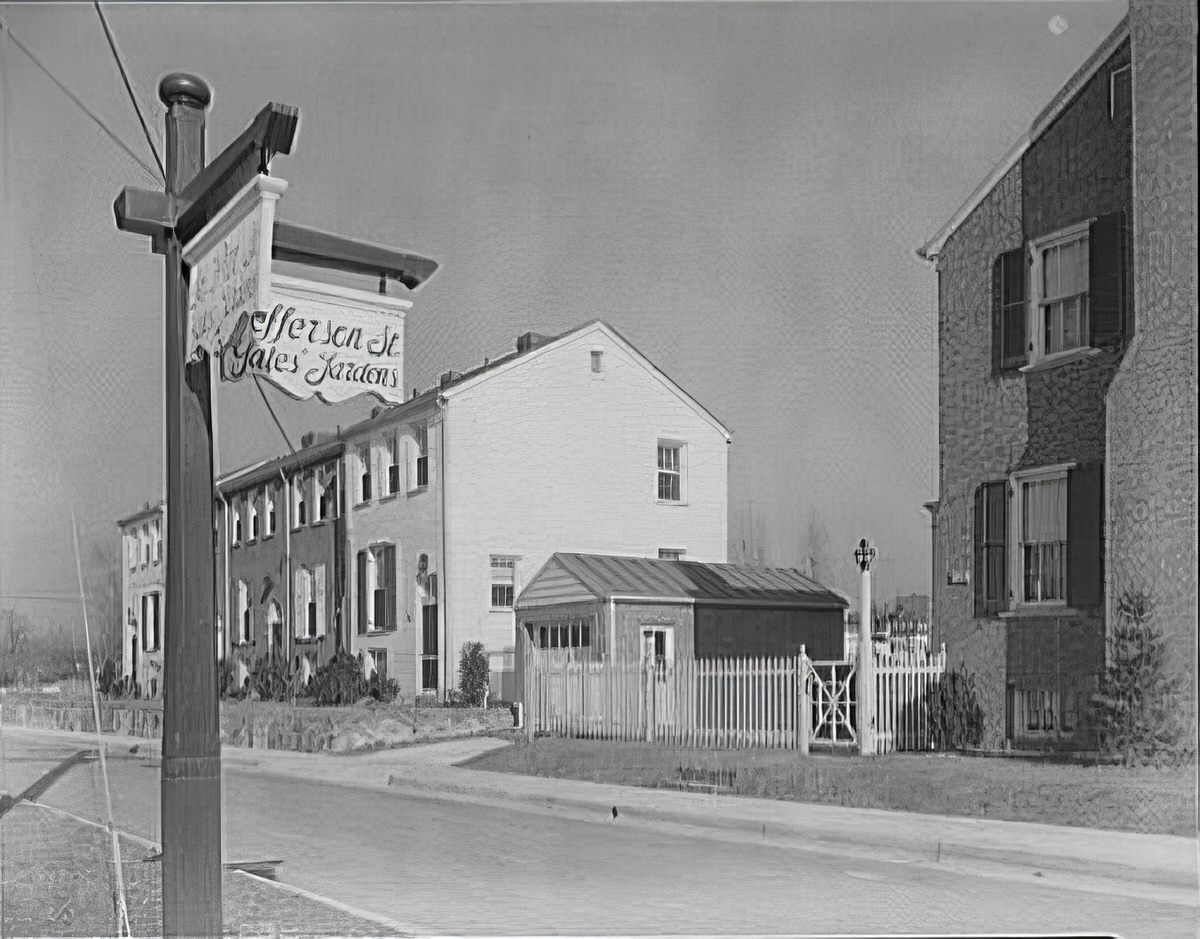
{"x":404,"y":536}
{"x":1048,"y":344}
{"x":143,"y":593}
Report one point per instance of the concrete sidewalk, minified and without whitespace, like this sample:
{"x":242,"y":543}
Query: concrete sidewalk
{"x":1161,"y":867}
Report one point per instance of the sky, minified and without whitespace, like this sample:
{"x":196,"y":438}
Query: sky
{"x":738,"y":188}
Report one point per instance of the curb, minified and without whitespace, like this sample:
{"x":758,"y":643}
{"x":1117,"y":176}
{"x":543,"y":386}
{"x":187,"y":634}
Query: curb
{"x":822,"y":837}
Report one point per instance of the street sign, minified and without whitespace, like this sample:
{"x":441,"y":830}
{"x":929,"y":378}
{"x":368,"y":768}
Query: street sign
{"x":230,"y":263}
{"x":318,"y":339}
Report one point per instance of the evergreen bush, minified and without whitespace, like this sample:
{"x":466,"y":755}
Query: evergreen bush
{"x":1139,"y":715}
{"x":339,"y":681}
{"x":473,"y":674}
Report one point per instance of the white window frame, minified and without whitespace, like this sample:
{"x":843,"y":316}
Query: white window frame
{"x":299,"y":498}
{"x":420,"y":451}
{"x":327,"y":493}
{"x":156,"y":541}
{"x":503,"y":574}
{"x":1035,"y":325}
{"x":679,"y":471}
{"x":672,"y":554}
{"x":364,"y":454}
{"x":1016,"y":572}
{"x":252,"y":511}
{"x":597,"y":363}
{"x":268,"y":511}
{"x":393,"y":449}
{"x":145,"y":545}
{"x":245,"y":627}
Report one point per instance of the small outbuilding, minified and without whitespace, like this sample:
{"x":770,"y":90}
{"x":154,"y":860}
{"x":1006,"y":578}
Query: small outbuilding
{"x":592,"y":607}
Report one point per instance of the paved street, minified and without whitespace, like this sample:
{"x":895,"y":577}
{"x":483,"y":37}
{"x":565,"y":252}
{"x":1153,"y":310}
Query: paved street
{"x":453,"y":867}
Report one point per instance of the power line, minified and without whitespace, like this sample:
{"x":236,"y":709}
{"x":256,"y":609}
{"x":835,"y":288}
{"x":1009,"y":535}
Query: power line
{"x":75,"y":98}
{"x":258,"y":384}
{"x":112,"y":44}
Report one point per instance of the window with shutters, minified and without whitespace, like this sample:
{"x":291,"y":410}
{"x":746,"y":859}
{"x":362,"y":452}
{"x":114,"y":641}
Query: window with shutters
{"x":393,"y":470}
{"x":364,"y":478}
{"x":299,"y":500}
{"x":269,"y":503}
{"x":1078,"y":291}
{"x":327,"y":492}
{"x":145,"y":545}
{"x":1056,"y":523}
{"x":419,"y":470}
{"x":1041,"y":541}
{"x":245,"y":615}
{"x":252,"y":509}
{"x":991,"y":540}
{"x":151,"y":621}
{"x":377,"y":588}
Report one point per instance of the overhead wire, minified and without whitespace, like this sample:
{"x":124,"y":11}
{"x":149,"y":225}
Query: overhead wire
{"x":112,"y":44}
{"x":149,"y":170}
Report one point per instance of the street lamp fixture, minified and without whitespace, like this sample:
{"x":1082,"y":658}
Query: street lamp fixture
{"x":864,"y":554}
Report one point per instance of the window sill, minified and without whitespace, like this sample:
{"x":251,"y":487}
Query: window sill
{"x":362,"y":504}
{"x":418,"y":490}
{"x":388,"y":496}
{"x":378,"y":632}
{"x":500,"y":609}
{"x":1030,"y":612}
{"x":1059,"y":358}
{"x":670,"y":502}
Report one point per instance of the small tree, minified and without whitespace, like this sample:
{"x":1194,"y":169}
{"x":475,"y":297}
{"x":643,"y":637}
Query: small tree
{"x":1139,"y":718}
{"x":473,"y":673}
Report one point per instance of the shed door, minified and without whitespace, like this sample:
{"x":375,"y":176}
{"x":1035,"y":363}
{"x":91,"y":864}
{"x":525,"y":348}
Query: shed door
{"x":658,"y":648}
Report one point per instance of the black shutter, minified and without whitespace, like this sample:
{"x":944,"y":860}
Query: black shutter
{"x":362,"y":592}
{"x":997,"y":319}
{"x":388,"y":561}
{"x":1014,"y":347}
{"x":980,"y":571}
{"x":1106,"y":276}
{"x":996,"y":536}
{"x":1085,"y":536}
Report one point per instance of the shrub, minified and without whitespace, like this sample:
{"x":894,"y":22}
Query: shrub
{"x":956,"y":717}
{"x":272,"y":679}
{"x":339,"y":681}
{"x":1138,"y":715}
{"x":383,"y":689}
{"x":473,"y":674}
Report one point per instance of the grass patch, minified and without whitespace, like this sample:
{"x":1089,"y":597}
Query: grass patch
{"x":1142,"y":799}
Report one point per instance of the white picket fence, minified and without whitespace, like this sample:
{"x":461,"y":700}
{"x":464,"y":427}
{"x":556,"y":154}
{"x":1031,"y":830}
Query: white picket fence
{"x":773,"y":702}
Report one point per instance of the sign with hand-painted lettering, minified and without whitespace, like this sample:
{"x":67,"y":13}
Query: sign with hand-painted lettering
{"x":229,"y":263}
{"x":318,"y":339}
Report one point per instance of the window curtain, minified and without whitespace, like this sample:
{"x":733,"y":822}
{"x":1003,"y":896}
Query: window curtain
{"x":1044,"y":511}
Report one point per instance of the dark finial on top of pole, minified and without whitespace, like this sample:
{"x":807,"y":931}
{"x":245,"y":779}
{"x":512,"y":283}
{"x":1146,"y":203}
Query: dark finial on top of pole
{"x":184,"y":88}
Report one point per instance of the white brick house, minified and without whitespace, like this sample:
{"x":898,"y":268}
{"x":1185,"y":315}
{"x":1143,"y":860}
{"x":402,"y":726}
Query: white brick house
{"x":457,"y":497}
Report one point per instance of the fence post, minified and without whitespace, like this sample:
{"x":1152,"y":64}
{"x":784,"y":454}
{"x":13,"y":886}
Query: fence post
{"x":803,"y":731}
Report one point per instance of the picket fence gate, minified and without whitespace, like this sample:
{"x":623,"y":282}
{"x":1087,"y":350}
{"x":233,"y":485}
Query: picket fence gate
{"x":785,"y":702}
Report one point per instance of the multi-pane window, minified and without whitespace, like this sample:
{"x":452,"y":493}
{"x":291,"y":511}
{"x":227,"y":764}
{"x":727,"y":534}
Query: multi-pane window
{"x":597,"y":361}
{"x":299,"y":500}
{"x":421,"y":456}
{"x":670,"y":472}
{"x":1009,"y":310}
{"x":502,"y":569}
{"x":1063,"y":293}
{"x":1037,"y":711}
{"x":393,"y":453}
{"x":571,"y":634}
{"x":377,"y":588}
{"x":364,"y":478}
{"x":671,"y":554}
{"x":1042,"y":539}
{"x":309,"y":602}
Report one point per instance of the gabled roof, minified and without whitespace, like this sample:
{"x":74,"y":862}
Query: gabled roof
{"x":569,"y":577}
{"x":1059,"y":103}
{"x":491,"y":369}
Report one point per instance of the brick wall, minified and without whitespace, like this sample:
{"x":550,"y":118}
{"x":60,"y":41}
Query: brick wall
{"x":1152,"y":402}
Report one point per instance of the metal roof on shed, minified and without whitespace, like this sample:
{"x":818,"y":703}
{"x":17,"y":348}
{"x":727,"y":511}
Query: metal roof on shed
{"x":604,"y":577}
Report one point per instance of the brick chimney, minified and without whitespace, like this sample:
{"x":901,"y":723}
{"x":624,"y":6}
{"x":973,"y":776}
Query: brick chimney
{"x":527,"y":341}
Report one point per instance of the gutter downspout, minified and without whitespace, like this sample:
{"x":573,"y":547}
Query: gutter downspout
{"x":287,"y":566}
{"x":443,"y":605}
{"x":225,"y":619}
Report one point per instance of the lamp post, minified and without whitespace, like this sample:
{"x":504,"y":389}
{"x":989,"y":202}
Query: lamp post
{"x":864,"y":554}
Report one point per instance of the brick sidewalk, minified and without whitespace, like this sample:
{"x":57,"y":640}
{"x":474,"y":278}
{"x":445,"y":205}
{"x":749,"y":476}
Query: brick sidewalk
{"x":57,"y":879}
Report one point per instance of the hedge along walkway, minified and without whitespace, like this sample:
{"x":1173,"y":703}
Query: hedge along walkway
{"x":56,"y":878}
{"x":269,"y":724}
{"x":1142,"y":800}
